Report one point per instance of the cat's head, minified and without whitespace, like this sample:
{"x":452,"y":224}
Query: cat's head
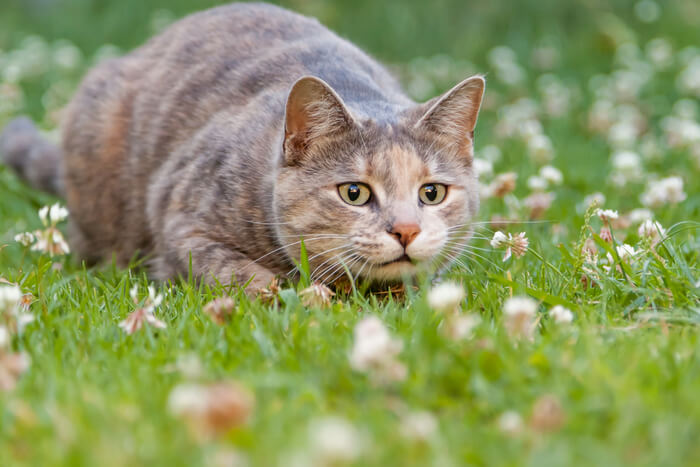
{"x":379,"y":198}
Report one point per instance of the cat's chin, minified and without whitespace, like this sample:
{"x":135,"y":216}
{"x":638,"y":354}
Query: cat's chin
{"x":393,"y":271}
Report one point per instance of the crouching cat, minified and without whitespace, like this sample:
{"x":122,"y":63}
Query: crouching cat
{"x":244,"y":129}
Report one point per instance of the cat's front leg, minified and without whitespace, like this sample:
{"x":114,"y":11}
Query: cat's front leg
{"x":212,"y":261}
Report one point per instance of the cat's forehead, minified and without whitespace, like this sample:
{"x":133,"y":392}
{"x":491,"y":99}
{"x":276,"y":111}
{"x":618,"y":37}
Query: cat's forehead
{"x":398,"y":166}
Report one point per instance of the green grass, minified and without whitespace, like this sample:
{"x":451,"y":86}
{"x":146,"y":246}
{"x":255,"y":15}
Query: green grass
{"x":626,"y":371}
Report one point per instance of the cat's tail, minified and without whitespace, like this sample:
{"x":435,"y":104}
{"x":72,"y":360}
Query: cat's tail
{"x":34,"y":158}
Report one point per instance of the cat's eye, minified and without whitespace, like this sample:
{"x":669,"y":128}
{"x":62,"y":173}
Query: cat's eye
{"x":432,"y":193}
{"x":356,"y":194}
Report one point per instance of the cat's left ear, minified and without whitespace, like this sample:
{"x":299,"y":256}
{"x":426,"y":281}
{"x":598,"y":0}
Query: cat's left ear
{"x":453,"y":115}
{"x":314,"y":114}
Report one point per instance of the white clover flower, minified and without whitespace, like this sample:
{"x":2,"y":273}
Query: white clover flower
{"x":446,"y":296}
{"x":482,"y":168}
{"x":519,"y":314}
{"x":561,"y":315}
{"x":57,"y":213}
{"x":502,"y":185}
{"x":665,"y":191}
{"x":10,"y":297}
{"x":510,"y":422}
{"x":652,"y":230}
{"x":4,"y":338}
{"x":537,"y":203}
{"x":540,"y":149}
{"x":660,"y":52}
{"x":335,"y":441}
{"x":144,"y":313}
{"x":552,"y":175}
{"x":627,"y":162}
{"x":607,"y":215}
{"x":639,"y":215}
{"x":623,"y":134}
{"x":515,"y":245}
{"x":596,"y":198}
{"x":211,"y":408}
{"x":491,"y":153}
{"x":625,"y":251}
{"x":460,"y":326}
{"x":25,"y":238}
{"x":647,"y":11}
{"x":499,"y":239}
{"x":419,"y":426}
{"x":374,"y":351}
{"x":44,"y":215}
{"x":536,"y":183}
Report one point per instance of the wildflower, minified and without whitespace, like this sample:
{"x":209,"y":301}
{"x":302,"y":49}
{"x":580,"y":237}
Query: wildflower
{"x":623,"y":134}
{"x":536,"y":183}
{"x":50,"y":241}
{"x":499,"y":239}
{"x":540,"y":149}
{"x":211,"y":409}
{"x":503,"y":184}
{"x":607,"y":215}
{"x":460,"y":326}
{"x":144,"y":313}
{"x":220,"y":309}
{"x":510,"y":422}
{"x":652,"y":230}
{"x":317,"y":295}
{"x":10,"y":297}
{"x":25,"y":238}
{"x":637,"y":216}
{"x":552,"y":175}
{"x":4,"y":338}
{"x":594,"y":199}
{"x":419,"y":426}
{"x":561,"y":315}
{"x":446,"y":297}
{"x":626,"y":167}
{"x":12,"y":365}
{"x":519,"y":313}
{"x":547,"y":414}
{"x":335,"y":441}
{"x":666,"y":191}
{"x":625,"y":251}
{"x":538,"y":203}
{"x":374,"y":351}
{"x":482,"y":168}
{"x":515,"y":245}
{"x":270,"y":294}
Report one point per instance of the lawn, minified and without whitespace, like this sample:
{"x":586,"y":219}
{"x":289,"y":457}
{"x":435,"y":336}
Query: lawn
{"x":589,"y":105}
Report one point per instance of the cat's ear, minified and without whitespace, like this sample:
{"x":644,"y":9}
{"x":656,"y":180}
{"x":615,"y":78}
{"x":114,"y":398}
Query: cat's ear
{"x":314,"y":112}
{"x":453,"y":115}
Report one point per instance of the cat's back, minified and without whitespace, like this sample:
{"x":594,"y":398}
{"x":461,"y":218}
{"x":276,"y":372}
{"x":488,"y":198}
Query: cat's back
{"x":133,"y":116}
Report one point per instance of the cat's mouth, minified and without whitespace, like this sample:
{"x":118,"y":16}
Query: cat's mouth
{"x":401,"y":259}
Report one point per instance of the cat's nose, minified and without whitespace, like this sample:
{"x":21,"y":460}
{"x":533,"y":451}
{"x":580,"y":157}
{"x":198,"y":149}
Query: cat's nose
{"x":405,"y":233}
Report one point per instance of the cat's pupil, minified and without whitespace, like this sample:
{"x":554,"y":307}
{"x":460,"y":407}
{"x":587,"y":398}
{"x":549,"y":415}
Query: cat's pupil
{"x":353,"y":192}
{"x":431,"y":192}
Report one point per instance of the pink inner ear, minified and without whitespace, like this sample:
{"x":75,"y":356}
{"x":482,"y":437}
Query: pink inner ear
{"x":314,"y":109}
{"x":454,"y":115}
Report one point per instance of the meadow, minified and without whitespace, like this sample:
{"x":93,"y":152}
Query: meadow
{"x":569,"y":338}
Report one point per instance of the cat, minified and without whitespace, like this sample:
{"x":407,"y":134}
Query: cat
{"x":240,"y":131}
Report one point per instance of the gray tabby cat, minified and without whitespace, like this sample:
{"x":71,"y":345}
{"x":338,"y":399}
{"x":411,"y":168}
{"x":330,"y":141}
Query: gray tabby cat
{"x":242,"y":129}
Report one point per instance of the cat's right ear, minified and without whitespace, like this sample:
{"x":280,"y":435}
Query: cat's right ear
{"x":314,"y":112}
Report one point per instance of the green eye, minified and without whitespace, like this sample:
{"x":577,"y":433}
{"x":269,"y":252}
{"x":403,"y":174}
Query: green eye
{"x":356,"y":194}
{"x":432,"y":193}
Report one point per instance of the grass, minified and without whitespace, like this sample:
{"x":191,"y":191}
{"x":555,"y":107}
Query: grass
{"x":625,"y":373}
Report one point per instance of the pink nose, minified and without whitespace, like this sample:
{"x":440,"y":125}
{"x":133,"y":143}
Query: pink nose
{"x":405,"y":233}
